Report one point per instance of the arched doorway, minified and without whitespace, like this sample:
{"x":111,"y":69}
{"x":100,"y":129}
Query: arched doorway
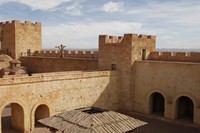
{"x":157,"y":104}
{"x":185,"y":108}
{"x":12,"y":118}
{"x":42,"y":111}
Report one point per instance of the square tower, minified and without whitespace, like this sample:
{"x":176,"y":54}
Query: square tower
{"x":120,"y":53}
{"x":17,"y":38}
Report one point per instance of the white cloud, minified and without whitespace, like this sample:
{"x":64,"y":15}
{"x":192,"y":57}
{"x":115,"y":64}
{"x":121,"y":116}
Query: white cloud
{"x":74,"y":9}
{"x":176,"y":23}
{"x":85,"y":35}
{"x":113,"y":6}
{"x":38,"y":4}
{"x":183,"y":12}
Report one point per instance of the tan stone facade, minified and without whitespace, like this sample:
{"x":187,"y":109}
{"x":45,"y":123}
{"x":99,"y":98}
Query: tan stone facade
{"x":126,"y":73}
{"x":17,"y":38}
{"x":59,"y":92}
{"x":172,"y":80}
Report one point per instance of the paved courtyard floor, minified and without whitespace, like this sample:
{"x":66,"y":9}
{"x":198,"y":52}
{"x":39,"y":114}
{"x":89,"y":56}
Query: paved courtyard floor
{"x":156,"y":124}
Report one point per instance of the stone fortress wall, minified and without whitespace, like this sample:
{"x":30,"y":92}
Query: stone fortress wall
{"x":57,"y":92}
{"x":175,"y":56}
{"x":120,"y":53}
{"x":68,"y":53}
{"x":43,"y":64}
{"x":152,"y":81}
{"x":172,"y":80}
{"x":126,"y":73}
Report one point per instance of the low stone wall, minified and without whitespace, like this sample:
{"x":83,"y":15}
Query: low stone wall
{"x":56,"y":64}
{"x":59,"y":92}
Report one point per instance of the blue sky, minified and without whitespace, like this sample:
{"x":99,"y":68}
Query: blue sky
{"x":77,"y":23}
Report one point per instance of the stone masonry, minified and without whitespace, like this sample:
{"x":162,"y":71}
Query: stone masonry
{"x":126,"y":73}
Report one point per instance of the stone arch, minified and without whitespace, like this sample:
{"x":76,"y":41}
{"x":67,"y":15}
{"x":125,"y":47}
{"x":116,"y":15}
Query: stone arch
{"x":18,"y":114}
{"x":156,"y":103}
{"x":185,"y":107}
{"x":41,"y":110}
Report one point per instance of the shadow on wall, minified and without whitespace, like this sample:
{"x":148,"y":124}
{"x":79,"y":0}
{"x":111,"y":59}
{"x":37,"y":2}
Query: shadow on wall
{"x":109,"y":97}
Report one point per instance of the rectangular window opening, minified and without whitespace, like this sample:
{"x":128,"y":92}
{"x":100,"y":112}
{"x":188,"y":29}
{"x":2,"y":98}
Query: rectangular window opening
{"x":144,"y":54}
{"x":113,"y":66}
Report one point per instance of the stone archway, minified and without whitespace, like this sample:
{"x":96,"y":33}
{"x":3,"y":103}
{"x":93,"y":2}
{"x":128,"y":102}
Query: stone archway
{"x":157,"y":104}
{"x":185,"y":108}
{"x":42,"y":111}
{"x":12,"y":118}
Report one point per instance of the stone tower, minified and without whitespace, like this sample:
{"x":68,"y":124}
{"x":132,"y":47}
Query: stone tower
{"x":120,"y":53}
{"x":17,"y":38}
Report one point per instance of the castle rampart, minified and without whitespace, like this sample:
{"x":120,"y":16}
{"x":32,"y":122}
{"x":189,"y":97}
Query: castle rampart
{"x":67,"y":53}
{"x":41,"y":64}
{"x":18,"y":22}
{"x":175,"y":56}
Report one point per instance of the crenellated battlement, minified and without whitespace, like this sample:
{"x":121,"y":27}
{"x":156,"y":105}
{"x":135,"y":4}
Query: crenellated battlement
{"x":112,"y":39}
{"x":18,"y":22}
{"x":119,"y":39}
{"x":67,"y":53}
{"x":175,"y":56}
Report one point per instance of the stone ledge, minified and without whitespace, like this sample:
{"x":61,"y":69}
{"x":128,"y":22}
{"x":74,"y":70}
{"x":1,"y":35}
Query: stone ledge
{"x":54,"y":76}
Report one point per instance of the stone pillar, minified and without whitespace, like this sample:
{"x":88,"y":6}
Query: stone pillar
{"x":17,"y":117}
{"x":170,"y":110}
{"x":196,"y":117}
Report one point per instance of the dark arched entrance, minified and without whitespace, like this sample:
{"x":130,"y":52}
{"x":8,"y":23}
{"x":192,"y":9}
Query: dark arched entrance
{"x":185,"y":108}
{"x":12,"y":118}
{"x":41,"y":112}
{"x":157,"y":102}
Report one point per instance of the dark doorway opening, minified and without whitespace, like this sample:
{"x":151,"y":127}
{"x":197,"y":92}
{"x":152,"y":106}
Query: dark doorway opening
{"x":144,"y":54}
{"x":113,"y":66}
{"x":185,"y":108}
{"x":158,"y":104}
{"x":12,"y":118}
{"x":41,"y":112}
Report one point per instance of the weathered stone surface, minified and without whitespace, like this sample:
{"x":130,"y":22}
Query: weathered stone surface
{"x":18,"y":38}
{"x":60,"y":92}
{"x":123,"y":74}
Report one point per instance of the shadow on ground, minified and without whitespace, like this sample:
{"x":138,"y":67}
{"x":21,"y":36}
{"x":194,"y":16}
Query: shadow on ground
{"x":157,"y":124}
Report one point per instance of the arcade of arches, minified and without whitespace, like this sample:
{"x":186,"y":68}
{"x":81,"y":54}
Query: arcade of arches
{"x":184,"y":106}
{"x":13,"y":118}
